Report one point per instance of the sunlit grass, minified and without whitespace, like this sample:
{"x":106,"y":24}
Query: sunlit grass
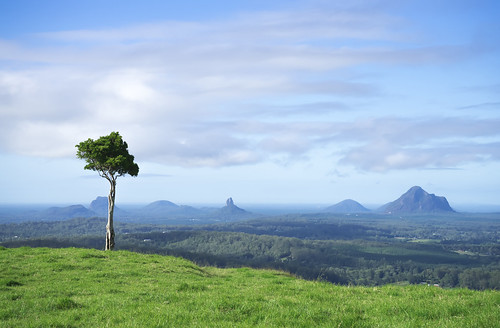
{"x":88,"y":288}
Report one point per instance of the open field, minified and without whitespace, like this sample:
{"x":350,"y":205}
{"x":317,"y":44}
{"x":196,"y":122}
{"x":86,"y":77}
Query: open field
{"x":71,"y":287}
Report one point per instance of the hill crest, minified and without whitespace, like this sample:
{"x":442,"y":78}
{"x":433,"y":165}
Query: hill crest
{"x":347,"y":206}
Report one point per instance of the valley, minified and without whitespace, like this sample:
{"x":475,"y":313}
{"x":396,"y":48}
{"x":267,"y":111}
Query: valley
{"x":371,"y":248}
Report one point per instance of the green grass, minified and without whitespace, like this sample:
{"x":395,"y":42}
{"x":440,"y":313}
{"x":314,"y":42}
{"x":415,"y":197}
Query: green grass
{"x":41,"y":287}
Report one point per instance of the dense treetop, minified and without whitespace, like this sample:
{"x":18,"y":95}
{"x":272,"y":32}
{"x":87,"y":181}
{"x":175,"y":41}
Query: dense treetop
{"x":108,"y":155}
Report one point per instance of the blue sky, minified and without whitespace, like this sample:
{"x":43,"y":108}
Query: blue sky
{"x":262,"y":101}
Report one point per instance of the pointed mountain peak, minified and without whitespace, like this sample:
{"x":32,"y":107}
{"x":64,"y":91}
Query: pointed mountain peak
{"x":417,"y":190}
{"x":231,"y":208}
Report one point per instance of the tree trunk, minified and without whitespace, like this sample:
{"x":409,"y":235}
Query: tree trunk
{"x":110,"y":231}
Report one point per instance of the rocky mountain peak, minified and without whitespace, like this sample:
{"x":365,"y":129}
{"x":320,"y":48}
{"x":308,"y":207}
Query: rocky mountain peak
{"x":416,"y":193}
{"x":231,"y":208}
{"x":100,"y":204}
{"x":417,"y":200}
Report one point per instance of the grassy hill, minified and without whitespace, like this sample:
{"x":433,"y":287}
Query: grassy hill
{"x":42,"y":287}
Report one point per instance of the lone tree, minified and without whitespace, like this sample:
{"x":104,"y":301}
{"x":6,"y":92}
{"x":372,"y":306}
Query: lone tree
{"x":109,"y":156}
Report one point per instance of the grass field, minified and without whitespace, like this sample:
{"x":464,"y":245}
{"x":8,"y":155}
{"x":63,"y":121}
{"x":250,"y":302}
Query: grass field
{"x":42,"y":287}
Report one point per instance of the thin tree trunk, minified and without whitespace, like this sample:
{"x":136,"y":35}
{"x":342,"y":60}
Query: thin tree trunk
{"x":110,"y":231}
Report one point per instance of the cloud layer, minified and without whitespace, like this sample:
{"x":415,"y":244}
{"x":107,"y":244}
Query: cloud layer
{"x":256,"y":87}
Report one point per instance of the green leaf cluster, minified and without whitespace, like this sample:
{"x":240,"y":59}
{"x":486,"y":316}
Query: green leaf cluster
{"x":108,"y":155}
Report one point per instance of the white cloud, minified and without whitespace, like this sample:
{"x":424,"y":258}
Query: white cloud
{"x":388,"y":144}
{"x":181,"y":93}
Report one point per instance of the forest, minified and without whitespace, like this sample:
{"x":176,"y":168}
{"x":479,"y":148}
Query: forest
{"x":449,"y":250}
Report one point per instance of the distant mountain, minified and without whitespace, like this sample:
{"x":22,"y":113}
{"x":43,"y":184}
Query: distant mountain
{"x":100,"y":207}
{"x":231,"y":211}
{"x":417,"y":200}
{"x":68,"y":212}
{"x":165,"y":208}
{"x":160,"y":207}
{"x":230,"y":208}
{"x":347,"y":206}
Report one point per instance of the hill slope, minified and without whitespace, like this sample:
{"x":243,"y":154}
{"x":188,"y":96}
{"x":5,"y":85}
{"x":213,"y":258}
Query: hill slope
{"x":90,"y":288}
{"x":165,"y":208}
{"x":73,"y":211}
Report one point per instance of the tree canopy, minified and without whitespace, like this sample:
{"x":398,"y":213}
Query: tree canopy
{"x":108,"y":155}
